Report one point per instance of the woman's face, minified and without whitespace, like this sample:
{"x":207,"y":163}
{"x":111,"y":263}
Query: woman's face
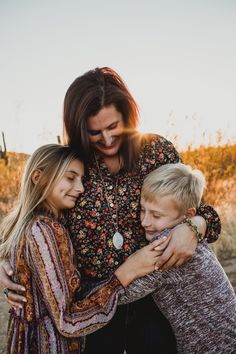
{"x":106,"y":131}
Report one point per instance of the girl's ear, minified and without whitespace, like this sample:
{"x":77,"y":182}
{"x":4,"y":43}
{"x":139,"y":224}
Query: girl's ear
{"x":190,"y":212}
{"x":35,"y":176}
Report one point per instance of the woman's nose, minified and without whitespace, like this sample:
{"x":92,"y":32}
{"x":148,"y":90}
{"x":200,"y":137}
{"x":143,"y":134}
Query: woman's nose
{"x":107,"y":137}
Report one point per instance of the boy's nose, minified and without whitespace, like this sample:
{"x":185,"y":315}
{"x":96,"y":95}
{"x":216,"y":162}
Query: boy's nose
{"x":145,"y":220}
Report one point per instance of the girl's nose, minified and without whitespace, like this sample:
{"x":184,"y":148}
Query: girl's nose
{"x":80,"y":187}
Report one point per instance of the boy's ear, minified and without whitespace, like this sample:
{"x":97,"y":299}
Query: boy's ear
{"x":190,"y":212}
{"x":35,"y":176}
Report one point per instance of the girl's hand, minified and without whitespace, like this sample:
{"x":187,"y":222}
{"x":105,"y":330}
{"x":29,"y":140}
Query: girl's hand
{"x":141,"y":262}
{"x":13,"y":299}
{"x":182,"y":245}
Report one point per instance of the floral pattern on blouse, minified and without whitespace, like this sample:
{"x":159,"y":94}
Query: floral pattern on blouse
{"x":92,"y":223}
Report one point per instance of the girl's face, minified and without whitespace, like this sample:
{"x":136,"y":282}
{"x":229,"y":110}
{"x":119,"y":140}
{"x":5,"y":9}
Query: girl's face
{"x":160,"y":214}
{"x":106,"y":131}
{"x":67,"y":190}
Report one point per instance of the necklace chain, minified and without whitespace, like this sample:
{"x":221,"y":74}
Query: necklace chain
{"x":109,"y":204}
{"x":118,"y":239}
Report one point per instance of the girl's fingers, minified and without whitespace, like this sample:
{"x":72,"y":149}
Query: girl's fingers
{"x":158,"y":243}
{"x":163,"y":245}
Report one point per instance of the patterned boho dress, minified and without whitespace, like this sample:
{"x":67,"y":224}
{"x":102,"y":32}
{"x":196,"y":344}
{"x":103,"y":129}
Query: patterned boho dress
{"x":52,"y":320}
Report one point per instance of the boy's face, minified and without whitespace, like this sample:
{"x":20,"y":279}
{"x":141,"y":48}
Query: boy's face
{"x":160,"y":214}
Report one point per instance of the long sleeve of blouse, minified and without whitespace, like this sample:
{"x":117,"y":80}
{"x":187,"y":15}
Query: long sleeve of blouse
{"x":50,"y":258}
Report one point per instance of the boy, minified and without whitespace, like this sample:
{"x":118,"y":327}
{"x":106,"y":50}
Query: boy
{"x":197,"y":298}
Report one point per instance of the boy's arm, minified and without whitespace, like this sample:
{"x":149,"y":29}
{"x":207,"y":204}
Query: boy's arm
{"x":140,"y":288}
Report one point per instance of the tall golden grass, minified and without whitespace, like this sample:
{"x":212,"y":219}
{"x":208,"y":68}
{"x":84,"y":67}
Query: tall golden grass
{"x":218,"y":163}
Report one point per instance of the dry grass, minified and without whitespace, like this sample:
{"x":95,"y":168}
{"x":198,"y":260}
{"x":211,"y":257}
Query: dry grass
{"x":218,"y":163}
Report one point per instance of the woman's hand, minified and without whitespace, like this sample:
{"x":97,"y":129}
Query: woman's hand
{"x":141,"y":262}
{"x":182,"y":245}
{"x":13,"y":299}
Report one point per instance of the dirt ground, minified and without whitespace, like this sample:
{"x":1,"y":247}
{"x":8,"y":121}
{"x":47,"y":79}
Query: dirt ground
{"x":228,"y":264}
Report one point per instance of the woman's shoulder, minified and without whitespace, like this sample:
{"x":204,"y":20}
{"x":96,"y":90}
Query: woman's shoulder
{"x":149,"y":141}
{"x":157,"y":150}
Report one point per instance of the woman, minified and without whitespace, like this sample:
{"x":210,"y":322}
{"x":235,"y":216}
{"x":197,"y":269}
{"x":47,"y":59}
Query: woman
{"x":100,"y":119}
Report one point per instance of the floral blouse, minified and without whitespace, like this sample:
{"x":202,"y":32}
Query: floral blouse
{"x":51,"y":318}
{"x":92,"y":223}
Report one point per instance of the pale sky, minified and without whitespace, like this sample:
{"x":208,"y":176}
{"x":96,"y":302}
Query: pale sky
{"x":178,"y":57}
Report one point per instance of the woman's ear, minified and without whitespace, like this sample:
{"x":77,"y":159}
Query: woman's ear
{"x":190,"y":212}
{"x":35,"y":176}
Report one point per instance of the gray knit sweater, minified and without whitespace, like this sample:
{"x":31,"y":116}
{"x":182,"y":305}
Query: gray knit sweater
{"x":197,"y":299}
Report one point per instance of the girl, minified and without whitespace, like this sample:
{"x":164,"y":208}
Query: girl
{"x":40,"y":253}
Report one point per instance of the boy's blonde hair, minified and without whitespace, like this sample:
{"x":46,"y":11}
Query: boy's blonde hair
{"x":180,"y":181}
{"x":52,"y":160}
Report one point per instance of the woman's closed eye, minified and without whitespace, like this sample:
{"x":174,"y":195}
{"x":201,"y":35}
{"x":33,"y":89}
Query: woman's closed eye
{"x":94,"y":132}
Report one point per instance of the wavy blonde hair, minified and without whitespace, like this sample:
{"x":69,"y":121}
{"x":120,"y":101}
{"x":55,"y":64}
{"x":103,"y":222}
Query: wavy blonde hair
{"x":52,"y":160}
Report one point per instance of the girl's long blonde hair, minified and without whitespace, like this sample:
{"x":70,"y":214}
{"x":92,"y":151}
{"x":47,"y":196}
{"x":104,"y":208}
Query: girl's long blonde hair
{"x":52,"y":160}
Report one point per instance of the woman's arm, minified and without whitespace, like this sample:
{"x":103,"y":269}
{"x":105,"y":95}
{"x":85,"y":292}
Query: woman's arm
{"x":13,"y":299}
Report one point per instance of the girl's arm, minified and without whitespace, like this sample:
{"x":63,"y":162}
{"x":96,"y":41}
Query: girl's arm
{"x":57,"y":278}
{"x":50,"y":258}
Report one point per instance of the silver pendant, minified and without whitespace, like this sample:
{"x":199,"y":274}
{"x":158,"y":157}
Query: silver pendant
{"x":118,"y":240}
